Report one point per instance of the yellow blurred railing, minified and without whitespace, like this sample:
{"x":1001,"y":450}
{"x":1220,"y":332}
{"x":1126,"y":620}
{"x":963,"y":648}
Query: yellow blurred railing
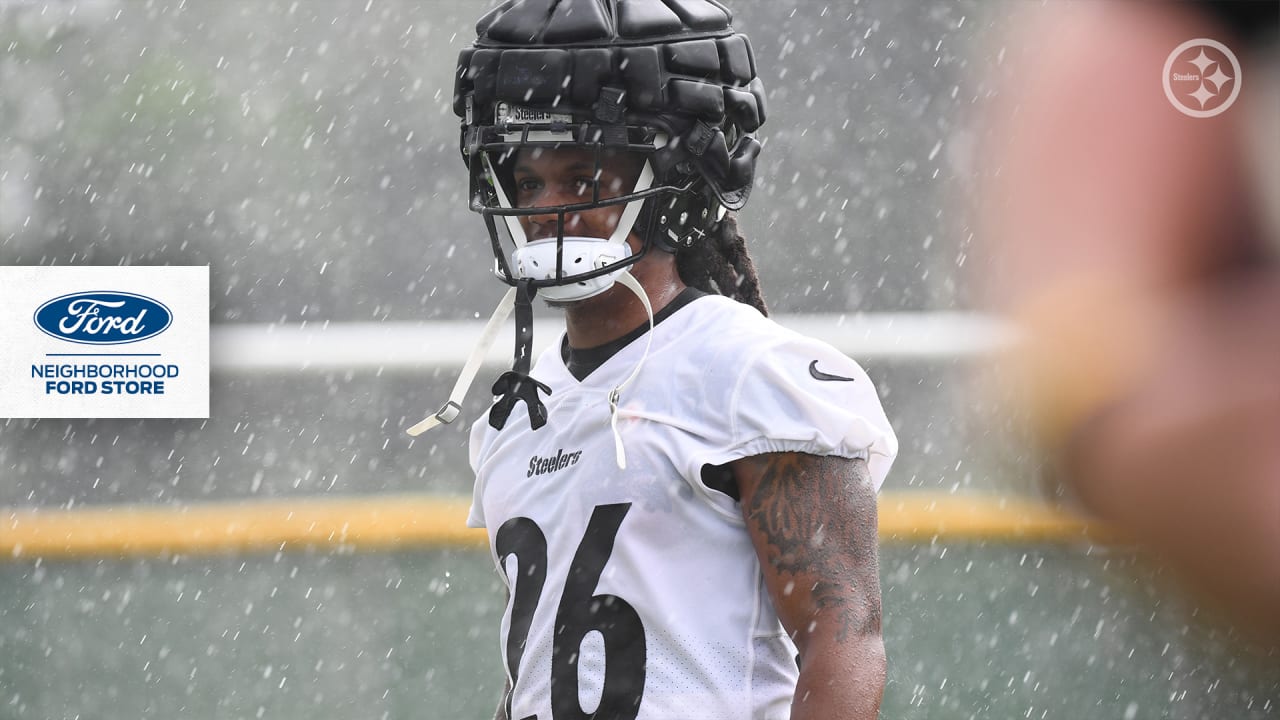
{"x":384,"y":522}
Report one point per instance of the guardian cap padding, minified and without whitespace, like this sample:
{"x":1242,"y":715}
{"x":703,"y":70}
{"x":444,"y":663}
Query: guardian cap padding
{"x":674,"y":66}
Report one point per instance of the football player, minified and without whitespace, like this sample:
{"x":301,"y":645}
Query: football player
{"x":679,"y":493}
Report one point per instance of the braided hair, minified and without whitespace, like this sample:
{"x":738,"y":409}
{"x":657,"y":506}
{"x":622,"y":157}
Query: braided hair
{"x":720,"y":264}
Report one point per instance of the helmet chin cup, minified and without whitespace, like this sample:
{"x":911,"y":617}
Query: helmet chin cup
{"x":536,"y":260}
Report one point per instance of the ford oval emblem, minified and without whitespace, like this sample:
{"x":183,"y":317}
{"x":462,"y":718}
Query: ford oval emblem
{"x":103,"y":318}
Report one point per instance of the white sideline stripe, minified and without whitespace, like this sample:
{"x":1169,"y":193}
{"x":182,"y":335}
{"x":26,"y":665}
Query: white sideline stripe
{"x":424,"y":345}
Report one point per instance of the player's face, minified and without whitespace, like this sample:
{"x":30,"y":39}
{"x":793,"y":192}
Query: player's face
{"x":564,"y":176}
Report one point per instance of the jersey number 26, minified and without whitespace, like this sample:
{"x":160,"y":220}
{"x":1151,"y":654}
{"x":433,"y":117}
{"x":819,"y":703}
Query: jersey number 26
{"x":580,"y":612}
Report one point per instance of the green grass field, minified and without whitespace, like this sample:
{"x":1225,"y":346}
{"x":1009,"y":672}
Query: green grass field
{"x":972,"y":630}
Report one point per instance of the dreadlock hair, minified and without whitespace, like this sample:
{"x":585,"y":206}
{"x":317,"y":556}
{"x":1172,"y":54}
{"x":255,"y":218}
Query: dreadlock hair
{"x":720,"y":264}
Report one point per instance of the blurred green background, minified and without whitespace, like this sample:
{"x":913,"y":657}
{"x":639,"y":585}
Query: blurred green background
{"x":306,"y":151}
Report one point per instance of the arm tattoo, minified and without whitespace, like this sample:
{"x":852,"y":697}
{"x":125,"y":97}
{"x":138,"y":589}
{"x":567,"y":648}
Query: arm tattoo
{"x":817,"y":516}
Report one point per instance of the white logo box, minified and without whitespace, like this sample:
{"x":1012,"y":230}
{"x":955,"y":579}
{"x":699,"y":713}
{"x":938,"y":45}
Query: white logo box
{"x":104,"y":342}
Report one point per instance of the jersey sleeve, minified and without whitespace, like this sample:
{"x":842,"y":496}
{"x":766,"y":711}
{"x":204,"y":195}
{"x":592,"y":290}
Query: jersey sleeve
{"x":475,"y":516}
{"x":802,"y":395}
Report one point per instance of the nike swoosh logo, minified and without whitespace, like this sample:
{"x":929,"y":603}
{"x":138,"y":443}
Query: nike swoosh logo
{"x":819,"y":375}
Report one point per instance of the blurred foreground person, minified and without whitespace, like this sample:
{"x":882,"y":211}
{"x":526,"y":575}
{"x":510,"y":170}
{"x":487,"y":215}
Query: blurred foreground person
{"x":679,"y":493}
{"x":1131,"y":206}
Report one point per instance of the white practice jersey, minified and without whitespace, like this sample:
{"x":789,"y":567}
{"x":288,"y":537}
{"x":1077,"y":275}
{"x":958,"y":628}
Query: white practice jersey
{"x":636,"y":593}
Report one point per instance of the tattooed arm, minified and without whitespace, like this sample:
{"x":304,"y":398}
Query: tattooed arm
{"x":813,"y":523}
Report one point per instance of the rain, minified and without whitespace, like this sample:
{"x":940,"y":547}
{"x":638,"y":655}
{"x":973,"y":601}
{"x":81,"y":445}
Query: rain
{"x":307,"y":152}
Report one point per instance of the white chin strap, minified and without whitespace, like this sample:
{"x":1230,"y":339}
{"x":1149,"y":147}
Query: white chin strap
{"x":537,"y":260}
{"x":453,"y":407}
{"x":629,"y":281}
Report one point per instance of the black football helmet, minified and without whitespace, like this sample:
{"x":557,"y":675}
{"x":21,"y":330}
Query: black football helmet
{"x":669,"y":79}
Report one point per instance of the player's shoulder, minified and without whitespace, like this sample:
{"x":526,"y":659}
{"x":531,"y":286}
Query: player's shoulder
{"x":727,"y":347}
{"x":725,"y":326}
{"x":732,"y":331}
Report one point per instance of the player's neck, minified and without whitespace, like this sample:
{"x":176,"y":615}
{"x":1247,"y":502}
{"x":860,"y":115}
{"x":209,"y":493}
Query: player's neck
{"x":617,"y":311}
